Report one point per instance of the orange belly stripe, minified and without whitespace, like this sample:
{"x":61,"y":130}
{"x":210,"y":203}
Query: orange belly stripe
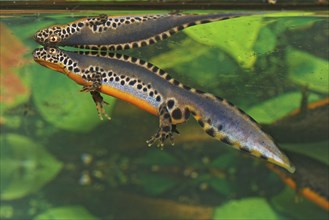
{"x":140,"y":103}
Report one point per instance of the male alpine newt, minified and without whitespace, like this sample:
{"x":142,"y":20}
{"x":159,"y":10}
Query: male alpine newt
{"x":122,"y":32}
{"x":152,"y":89}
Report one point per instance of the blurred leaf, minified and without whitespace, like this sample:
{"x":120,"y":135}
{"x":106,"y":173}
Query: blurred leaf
{"x":286,"y":202}
{"x":275,"y":108}
{"x":223,"y":161}
{"x":216,"y":68}
{"x":308,"y":70}
{"x":59,"y":101}
{"x":25,"y":166}
{"x":236,"y":36}
{"x":266,"y":41}
{"x":157,"y":157}
{"x":6,"y":212}
{"x":299,"y":20}
{"x":65,"y":213}
{"x":155,"y":184}
{"x":187,"y":51}
{"x":251,"y":208}
{"x":13,"y":89}
{"x":221,"y":185}
{"x":318,"y":151}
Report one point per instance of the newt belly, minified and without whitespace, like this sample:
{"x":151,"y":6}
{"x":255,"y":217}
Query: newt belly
{"x":122,"y":32}
{"x":153,"y":90}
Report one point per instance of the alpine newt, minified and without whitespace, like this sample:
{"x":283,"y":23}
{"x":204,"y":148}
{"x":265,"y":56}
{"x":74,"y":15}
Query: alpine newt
{"x":122,"y":32}
{"x":152,"y":89}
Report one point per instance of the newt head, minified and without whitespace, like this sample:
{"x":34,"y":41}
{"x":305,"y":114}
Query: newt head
{"x":55,"y":59}
{"x":49,"y":36}
{"x":49,"y":57}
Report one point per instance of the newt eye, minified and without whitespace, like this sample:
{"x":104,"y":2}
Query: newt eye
{"x":54,"y":38}
{"x":52,"y":51}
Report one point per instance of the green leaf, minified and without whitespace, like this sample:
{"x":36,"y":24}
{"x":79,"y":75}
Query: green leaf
{"x":275,"y":108}
{"x":59,"y":101}
{"x":266,"y":41}
{"x":297,"y":21}
{"x":288,"y":203}
{"x":6,"y":212}
{"x":157,"y":157}
{"x":216,"y":67}
{"x":318,"y":151}
{"x":308,"y":70}
{"x":66,"y":212}
{"x":251,"y":208}
{"x":223,"y":161}
{"x":235,"y":36}
{"x":186,"y":52}
{"x":25,"y":166}
{"x":221,"y":185}
{"x":155,"y":184}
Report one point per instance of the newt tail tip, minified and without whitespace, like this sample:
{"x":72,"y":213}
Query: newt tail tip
{"x":286,"y":164}
{"x":291,"y":168}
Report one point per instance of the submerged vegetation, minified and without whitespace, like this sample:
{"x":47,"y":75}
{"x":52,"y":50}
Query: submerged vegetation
{"x":59,"y":160}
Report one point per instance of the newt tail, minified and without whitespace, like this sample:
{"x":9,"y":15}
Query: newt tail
{"x":153,"y":90}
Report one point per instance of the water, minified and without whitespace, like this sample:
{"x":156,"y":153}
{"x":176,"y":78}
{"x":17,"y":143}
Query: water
{"x":59,"y":160}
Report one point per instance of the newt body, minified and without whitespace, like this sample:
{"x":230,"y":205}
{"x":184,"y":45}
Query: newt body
{"x":153,"y":90}
{"x":122,"y":32}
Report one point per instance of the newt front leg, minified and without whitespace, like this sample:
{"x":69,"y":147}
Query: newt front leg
{"x":96,"y":79}
{"x":99,"y":101}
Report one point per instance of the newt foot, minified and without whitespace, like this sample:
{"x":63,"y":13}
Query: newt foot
{"x":99,"y":101}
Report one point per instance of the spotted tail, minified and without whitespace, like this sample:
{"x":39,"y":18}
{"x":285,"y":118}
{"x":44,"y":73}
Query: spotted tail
{"x":229,"y":124}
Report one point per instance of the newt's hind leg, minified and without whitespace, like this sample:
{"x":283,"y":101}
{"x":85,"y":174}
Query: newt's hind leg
{"x":165,"y":130}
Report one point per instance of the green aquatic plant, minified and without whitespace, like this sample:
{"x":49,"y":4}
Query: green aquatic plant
{"x":25,"y":166}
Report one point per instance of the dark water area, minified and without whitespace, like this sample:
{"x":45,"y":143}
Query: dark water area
{"x":59,"y":161}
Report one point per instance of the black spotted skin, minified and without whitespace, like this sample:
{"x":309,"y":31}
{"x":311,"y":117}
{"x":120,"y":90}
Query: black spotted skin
{"x":152,"y":89}
{"x":122,"y":32}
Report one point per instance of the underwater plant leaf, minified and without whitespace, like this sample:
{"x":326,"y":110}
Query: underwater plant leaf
{"x":187,"y":51}
{"x":25,"y":166}
{"x":6,"y":212}
{"x":235,"y":36}
{"x":288,"y":203}
{"x":155,"y":184}
{"x":216,"y":68}
{"x":157,"y":157}
{"x":275,"y":108}
{"x":297,"y":21}
{"x":249,"y":208}
{"x":308,"y":70}
{"x":66,"y":212}
{"x":13,"y":89}
{"x":318,"y":151}
{"x":223,"y":161}
{"x":222,"y":186}
{"x":266,"y":41}
{"x":59,"y":101}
